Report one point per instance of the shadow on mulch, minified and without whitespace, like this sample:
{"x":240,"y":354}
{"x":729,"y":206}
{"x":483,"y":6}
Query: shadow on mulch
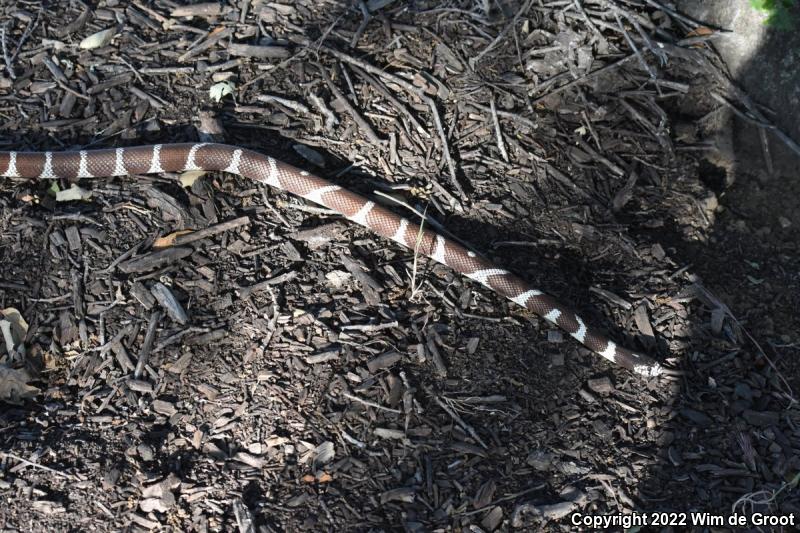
{"x":732,"y":424}
{"x":734,"y":432}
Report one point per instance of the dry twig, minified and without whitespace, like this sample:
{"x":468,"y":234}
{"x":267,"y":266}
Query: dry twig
{"x":411,"y":88}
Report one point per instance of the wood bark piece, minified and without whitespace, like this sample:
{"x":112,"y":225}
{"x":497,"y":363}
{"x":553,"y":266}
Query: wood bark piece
{"x":205,"y":9}
{"x":167,"y":299}
{"x":258,"y":52}
{"x":155,"y":260}
{"x":211,"y":230}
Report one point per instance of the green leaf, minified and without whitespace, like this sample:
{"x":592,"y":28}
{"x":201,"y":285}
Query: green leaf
{"x":778,"y":13}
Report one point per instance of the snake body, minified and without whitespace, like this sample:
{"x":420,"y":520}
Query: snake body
{"x":264,"y":169}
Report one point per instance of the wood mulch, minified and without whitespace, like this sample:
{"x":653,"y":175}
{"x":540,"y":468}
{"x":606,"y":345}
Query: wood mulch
{"x":199,"y":352}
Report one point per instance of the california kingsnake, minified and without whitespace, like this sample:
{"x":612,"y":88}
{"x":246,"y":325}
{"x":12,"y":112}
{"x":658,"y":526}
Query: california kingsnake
{"x":265,"y":169}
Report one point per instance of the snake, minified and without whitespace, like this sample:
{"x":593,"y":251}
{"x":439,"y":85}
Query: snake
{"x":261,"y":168}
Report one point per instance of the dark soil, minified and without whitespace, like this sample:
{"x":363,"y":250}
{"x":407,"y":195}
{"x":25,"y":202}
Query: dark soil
{"x":323,"y":379}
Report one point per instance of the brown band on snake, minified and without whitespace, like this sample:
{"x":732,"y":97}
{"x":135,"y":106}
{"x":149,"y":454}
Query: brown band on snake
{"x":264,"y":169}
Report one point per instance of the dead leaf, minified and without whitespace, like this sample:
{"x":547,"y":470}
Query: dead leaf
{"x":276,"y":441}
{"x":700,"y":31}
{"x":190,"y":176}
{"x":73,"y":193}
{"x":323,"y":454}
{"x":14,"y":385}
{"x":337,"y":278}
{"x":169,"y":240}
{"x":8,"y":337}
{"x":99,"y":39}
{"x":322,"y":477}
{"x":14,"y":328}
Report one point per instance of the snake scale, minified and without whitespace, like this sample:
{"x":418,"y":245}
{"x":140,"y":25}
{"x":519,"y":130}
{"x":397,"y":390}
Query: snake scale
{"x":264,"y":169}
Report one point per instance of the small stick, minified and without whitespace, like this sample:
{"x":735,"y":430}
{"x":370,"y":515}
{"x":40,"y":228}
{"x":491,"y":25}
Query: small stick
{"x":204,"y":42}
{"x":381,"y":88}
{"x":155,"y":71}
{"x":589,"y":22}
{"x":446,"y":149}
{"x":507,"y":114}
{"x":662,"y":139}
{"x":659,"y":53}
{"x":411,"y":208}
{"x":497,"y":131}
{"x":414,"y":264}
{"x":362,"y":123}
{"x":72,"y":91}
{"x":474,"y":61}
{"x":211,"y":230}
{"x":291,"y":104}
{"x":25,"y":35}
{"x":633,"y":46}
{"x":6,"y":57}
{"x":371,"y":327}
{"x":408,"y":86}
{"x":671,"y":12}
{"x":37,"y":465}
{"x":10,"y":285}
{"x":275,"y":212}
{"x":758,"y":119}
{"x":576,"y":81}
{"x":346,"y":76}
{"x":589,"y":127}
{"x":370,"y":404}
{"x":273,"y":321}
{"x":110,"y":268}
{"x":246,"y":292}
{"x":153,"y":100}
{"x":319,"y":103}
{"x":426,"y":219}
{"x":365,"y":18}
{"x":466,"y":427}
{"x":352,"y":440}
{"x":308,"y":208}
{"x":147,"y":344}
{"x":762,"y":134}
{"x":134,"y":71}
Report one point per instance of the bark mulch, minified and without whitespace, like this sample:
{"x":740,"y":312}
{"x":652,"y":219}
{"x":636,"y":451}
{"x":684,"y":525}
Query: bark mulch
{"x":199,"y":352}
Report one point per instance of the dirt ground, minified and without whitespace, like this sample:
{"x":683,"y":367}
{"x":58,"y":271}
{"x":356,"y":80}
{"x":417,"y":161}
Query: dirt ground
{"x":324,"y":379}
